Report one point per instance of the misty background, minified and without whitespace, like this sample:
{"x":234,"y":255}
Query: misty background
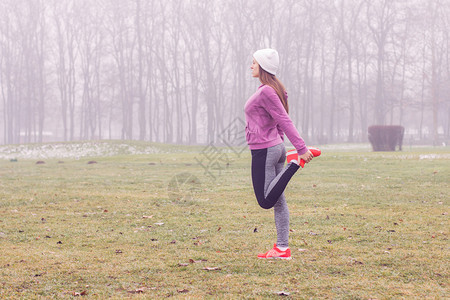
{"x":178,"y":71}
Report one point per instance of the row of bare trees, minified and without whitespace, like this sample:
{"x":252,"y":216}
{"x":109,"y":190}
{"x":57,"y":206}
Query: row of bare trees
{"x":177,"y":71}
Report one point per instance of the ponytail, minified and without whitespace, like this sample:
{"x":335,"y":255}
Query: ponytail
{"x":272,"y":81}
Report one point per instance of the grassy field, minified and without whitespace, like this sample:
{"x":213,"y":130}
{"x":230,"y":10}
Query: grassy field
{"x":364,"y":225}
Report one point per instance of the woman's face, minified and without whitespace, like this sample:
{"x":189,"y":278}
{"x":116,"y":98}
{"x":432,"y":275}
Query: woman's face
{"x":255,"y":69}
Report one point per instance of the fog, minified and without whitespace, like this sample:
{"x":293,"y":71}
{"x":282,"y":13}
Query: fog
{"x":178,"y":71}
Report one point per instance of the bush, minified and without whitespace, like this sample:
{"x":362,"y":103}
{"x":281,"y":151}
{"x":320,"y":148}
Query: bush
{"x":386,"y":138}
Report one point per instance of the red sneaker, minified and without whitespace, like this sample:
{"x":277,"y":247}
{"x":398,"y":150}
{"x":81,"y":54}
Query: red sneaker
{"x":276,"y":253}
{"x":292,"y":154}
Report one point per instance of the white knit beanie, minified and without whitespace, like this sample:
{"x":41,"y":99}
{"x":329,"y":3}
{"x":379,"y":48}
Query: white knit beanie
{"x":268,"y":59}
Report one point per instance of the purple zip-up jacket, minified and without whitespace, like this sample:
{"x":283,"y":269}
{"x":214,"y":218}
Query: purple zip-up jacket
{"x":268,"y":121}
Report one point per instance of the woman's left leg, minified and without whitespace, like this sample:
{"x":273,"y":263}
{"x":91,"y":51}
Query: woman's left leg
{"x":281,"y":213}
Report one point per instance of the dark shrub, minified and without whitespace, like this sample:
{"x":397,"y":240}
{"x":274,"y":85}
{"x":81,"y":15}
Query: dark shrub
{"x":386,"y":138}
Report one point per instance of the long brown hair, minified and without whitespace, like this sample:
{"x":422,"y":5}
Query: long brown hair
{"x":272,"y":81}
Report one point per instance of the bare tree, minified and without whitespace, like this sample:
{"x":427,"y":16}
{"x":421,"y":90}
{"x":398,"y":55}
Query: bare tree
{"x":437,"y":49}
{"x":348,"y":25}
{"x":380,"y":20}
{"x":66,"y":31}
{"x":140,"y":76}
{"x":178,"y":70}
{"x":123,"y":41}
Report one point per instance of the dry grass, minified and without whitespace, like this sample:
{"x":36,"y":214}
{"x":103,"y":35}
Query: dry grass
{"x":364,"y":225}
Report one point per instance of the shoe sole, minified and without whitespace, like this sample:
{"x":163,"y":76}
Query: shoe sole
{"x":285,"y":258}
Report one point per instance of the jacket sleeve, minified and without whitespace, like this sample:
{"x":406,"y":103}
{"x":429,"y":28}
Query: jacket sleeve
{"x":274,"y":107}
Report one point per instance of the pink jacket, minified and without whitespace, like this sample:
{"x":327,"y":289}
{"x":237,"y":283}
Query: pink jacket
{"x":267,"y":121}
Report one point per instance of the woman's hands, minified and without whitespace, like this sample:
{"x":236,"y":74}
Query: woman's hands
{"x":307,"y":157}
{"x":301,"y":160}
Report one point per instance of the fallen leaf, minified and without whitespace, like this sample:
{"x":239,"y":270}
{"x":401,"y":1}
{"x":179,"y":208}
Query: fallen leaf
{"x":255,"y":230}
{"x":197,"y":261}
{"x":283,"y":293}
{"x":211,"y":268}
{"x":137,"y":291}
{"x":159,"y":224}
{"x":218,"y":229}
{"x":118,"y":251}
{"x":147,"y":217}
{"x":302,"y":250}
{"x":76,"y":294}
{"x":356,"y":262}
{"x":183,"y":291}
{"x":183,"y":264}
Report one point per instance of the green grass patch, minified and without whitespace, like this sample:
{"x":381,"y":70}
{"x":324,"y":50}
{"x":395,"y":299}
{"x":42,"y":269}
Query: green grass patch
{"x":363,"y":225}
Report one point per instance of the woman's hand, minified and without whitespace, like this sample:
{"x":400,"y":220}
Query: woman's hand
{"x":307,"y":157}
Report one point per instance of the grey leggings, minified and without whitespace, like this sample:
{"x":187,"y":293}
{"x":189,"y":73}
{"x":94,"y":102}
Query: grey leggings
{"x":270,"y":179}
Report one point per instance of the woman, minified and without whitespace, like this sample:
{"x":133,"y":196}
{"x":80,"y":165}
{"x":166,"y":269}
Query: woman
{"x":266,"y":112}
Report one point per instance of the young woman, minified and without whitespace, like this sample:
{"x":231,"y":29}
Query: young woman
{"x":266,"y":112}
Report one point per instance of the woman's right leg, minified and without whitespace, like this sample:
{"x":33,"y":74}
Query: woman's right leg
{"x":267,"y":184}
